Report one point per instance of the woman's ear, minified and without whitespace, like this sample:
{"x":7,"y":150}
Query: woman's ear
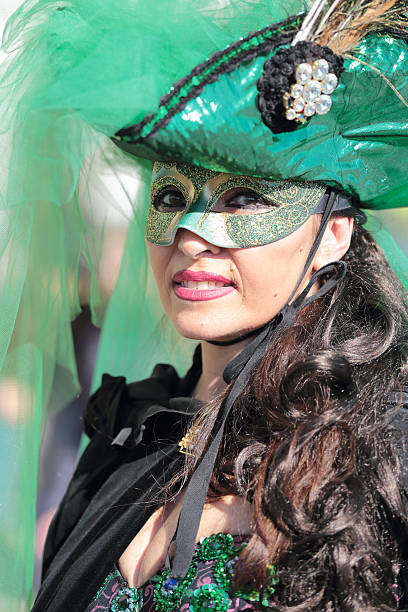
{"x":335,"y":242}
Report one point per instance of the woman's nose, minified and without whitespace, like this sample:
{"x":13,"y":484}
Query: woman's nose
{"x":194,"y":246}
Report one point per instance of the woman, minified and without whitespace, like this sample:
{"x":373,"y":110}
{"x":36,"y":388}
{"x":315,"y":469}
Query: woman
{"x":290,"y":418}
{"x":306,"y":471}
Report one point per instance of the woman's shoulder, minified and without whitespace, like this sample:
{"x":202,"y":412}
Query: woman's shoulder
{"x":118,"y":410}
{"x":116,"y":421}
{"x":117,"y":405}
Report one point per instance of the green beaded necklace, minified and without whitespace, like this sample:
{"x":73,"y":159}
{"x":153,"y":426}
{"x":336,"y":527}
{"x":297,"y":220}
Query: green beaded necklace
{"x":169,"y":592}
{"x":220,"y":547}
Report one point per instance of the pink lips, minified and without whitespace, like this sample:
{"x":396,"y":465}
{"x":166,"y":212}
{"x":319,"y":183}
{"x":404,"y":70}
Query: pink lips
{"x":197,"y":294}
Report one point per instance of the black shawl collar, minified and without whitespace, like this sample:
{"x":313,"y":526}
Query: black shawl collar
{"x":133,"y":452}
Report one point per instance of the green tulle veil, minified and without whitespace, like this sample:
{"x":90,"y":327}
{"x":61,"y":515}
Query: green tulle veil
{"x":76,"y":72}
{"x":62,"y":183}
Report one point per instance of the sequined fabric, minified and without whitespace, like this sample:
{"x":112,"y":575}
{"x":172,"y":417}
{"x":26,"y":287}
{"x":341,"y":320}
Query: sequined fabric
{"x":206,"y":585}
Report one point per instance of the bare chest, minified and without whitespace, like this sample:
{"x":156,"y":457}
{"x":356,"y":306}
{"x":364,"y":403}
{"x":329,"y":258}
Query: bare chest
{"x":146,"y":553}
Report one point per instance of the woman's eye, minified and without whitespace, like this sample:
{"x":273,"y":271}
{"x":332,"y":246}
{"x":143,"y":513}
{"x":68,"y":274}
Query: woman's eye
{"x":243,"y":200}
{"x":169,"y":200}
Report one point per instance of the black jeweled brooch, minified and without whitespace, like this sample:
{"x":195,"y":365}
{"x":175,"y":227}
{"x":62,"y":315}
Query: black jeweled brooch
{"x":296,"y":84}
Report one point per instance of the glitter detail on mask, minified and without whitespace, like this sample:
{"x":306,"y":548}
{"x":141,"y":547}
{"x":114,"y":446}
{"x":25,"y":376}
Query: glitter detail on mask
{"x":293,"y":203}
{"x":265,"y":228}
{"x":197,"y":175}
{"x":158,"y":223}
{"x":159,"y":165}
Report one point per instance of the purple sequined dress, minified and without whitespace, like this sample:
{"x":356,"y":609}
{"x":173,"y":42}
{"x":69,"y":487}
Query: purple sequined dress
{"x":206,"y":585}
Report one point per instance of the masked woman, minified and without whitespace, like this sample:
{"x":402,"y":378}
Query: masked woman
{"x":272,"y":474}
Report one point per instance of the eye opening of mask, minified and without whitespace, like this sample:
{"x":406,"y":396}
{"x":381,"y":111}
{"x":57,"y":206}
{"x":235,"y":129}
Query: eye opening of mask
{"x":169,"y":199}
{"x":242,"y":200}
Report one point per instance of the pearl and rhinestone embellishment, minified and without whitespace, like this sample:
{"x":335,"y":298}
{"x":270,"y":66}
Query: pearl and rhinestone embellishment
{"x":311,"y":93}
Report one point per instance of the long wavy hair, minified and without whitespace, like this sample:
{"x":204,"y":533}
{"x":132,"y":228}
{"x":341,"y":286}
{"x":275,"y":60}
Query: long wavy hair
{"x":310,"y":443}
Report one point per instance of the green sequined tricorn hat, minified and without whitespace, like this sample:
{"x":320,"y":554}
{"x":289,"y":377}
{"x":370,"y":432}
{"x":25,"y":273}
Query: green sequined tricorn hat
{"x":318,"y":96}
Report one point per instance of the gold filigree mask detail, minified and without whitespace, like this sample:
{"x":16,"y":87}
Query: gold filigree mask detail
{"x":226,"y":210}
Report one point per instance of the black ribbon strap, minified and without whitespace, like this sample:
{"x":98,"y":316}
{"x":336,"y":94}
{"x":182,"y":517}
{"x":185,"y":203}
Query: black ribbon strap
{"x":330,"y":206}
{"x":197,"y":489}
{"x":196,"y":493}
{"x":336,"y":269}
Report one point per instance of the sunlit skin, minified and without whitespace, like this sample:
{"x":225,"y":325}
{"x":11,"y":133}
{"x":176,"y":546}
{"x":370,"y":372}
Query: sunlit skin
{"x":264,"y":278}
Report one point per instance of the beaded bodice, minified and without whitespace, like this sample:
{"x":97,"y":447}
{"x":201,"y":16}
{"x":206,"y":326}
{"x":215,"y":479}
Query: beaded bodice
{"x":206,"y":585}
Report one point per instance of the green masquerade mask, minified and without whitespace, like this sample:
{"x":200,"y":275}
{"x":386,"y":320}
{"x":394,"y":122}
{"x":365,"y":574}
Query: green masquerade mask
{"x":226,"y":210}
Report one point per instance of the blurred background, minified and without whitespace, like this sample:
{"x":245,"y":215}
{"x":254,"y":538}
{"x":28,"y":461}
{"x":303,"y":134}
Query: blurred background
{"x":6,"y":8}
{"x":62,"y":432}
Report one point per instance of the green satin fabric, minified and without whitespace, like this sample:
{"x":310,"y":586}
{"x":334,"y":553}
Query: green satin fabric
{"x":360,"y":146}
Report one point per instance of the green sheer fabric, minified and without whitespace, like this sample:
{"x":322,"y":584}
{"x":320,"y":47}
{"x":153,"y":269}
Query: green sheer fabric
{"x":62,"y":183}
{"x":396,"y":257}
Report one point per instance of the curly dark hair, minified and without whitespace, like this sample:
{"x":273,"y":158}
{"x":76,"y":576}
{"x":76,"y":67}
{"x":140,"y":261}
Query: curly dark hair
{"x":310,"y":443}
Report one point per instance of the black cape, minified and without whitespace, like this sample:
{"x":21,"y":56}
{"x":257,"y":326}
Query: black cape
{"x":133,"y":452}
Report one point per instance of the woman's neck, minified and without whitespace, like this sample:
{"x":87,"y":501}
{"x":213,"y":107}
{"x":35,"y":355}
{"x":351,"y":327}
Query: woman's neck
{"x":214,"y":359}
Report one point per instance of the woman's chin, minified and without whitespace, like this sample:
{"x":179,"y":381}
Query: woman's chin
{"x":209,"y":332}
